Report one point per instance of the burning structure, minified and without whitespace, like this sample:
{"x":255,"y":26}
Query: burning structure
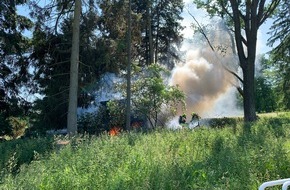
{"x":210,"y":89}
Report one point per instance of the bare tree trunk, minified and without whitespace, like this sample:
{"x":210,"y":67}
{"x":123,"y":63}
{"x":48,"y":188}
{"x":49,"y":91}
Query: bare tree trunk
{"x":149,"y":26}
{"x":128,"y":103}
{"x":247,"y":58}
{"x":249,"y":92}
{"x":249,"y":67}
{"x":74,"y":65}
{"x":157,"y":33}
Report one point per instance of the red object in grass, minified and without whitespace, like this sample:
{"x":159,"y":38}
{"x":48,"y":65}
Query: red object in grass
{"x":115,"y":131}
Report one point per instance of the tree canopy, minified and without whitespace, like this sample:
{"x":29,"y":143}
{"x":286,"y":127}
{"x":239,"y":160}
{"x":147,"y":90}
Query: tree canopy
{"x":280,"y":55}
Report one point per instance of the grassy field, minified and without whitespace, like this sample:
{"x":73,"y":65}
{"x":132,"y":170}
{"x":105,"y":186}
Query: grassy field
{"x":224,"y":157}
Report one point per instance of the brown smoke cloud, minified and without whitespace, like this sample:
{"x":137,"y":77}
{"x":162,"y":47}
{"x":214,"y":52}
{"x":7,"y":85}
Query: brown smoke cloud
{"x":202,"y":77}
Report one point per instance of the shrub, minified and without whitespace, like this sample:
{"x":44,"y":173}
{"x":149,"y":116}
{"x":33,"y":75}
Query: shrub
{"x":107,"y":116}
{"x":18,"y":126}
{"x":222,"y":122}
{"x":4,"y":125}
{"x":17,"y":152}
{"x":88,"y":123}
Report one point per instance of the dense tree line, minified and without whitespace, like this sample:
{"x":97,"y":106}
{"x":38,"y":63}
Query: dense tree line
{"x":14,"y":62}
{"x":280,"y":55}
{"x":40,"y":64}
{"x":273,"y":85}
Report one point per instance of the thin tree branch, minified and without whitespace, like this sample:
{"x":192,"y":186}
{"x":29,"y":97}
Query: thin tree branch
{"x":59,"y":92}
{"x":269,"y":11}
{"x":57,"y":63}
{"x":209,"y":43}
{"x":60,"y":74}
{"x":201,"y":30}
{"x":226,"y":11}
{"x":59,"y":16}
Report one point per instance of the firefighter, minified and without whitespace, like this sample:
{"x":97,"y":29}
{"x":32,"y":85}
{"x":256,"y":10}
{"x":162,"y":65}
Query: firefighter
{"x":195,"y":118}
{"x":182,"y":119}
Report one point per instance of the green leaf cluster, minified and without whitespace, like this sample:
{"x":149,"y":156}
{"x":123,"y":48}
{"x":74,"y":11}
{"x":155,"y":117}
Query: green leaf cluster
{"x":151,"y":95}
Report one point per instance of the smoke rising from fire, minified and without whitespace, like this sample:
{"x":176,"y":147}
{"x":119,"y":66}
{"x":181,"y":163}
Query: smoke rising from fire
{"x":203,"y":76}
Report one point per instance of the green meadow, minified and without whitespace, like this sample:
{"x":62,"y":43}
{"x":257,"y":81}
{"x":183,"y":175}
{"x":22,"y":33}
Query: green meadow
{"x":230,"y":156}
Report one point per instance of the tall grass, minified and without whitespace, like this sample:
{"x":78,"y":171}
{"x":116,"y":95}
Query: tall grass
{"x":204,"y":158}
{"x":14,"y":153}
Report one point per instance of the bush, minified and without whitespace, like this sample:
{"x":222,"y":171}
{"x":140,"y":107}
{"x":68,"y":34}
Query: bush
{"x":94,"y":123}
{"x":4,"y":125}
{"x":225,"y":121}
{"x":18,"y":126}
{"x":13,"y":126}
{"x":87,"y":123}
{"x":14,"y":153}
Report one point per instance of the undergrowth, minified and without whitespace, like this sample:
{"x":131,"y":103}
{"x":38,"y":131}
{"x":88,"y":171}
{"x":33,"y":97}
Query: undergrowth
{"x":204,"y":158}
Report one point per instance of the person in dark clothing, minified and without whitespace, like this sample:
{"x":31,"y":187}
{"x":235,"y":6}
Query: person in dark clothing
{"x":182,"y":119}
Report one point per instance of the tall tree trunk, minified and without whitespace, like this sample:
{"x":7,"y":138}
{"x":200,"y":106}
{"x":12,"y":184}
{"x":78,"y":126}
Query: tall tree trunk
{"x":149,"y":27}
{"x":249,"y":67}
{"x":74,"y":65}
{"x":128,"y":102}
{"x":157,"y":31}
{"x":247,"y":62}
{"x":249,"y":91}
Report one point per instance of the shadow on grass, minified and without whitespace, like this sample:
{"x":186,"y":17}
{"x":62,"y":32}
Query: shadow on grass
{"x":14,"y":153}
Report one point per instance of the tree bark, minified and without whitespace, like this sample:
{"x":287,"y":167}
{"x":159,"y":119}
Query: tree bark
{"x":247,"y":62}
{"x":74,"y":65}
{"x":157,"y":32}
{"x":128,"y":90}
{"x":149,"y":26}
{"x":249,"y":92}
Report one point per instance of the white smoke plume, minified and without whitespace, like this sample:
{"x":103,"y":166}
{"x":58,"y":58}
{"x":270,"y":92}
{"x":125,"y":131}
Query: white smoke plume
{"x":205,"y":80}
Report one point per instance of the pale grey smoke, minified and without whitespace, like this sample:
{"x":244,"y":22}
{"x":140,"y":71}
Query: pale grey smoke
{"x":173,"y":124}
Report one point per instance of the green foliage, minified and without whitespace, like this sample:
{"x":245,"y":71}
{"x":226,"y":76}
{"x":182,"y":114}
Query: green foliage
{"x":165,"y":30}
{"x":113,"y":26}
{"x":150,"y":94}
{"x":13,"y":127}
{"x":52,"y":65}
{"x":280,"y":32}
{"x":116,"y":111}
{"x":88,"y":123}
{"x":265,"y":96}
{"x":109,"y":114}
{"x":4,"y":125}
{"x":272,"y":89}
{"x":15,"y":78}
{"x":15,"y":153}
{"x":280,"y":55}
{"x":224,"y":122}
{"x":204,"y":158}
{"x":18,"y":126}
